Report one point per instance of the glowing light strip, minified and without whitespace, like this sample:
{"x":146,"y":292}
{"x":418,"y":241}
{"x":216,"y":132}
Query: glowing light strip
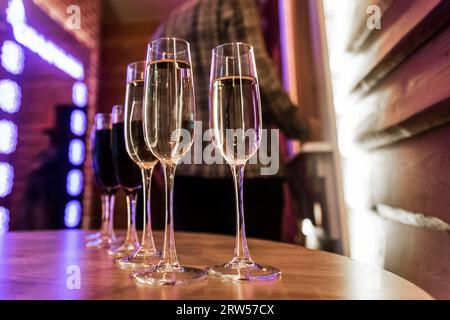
{"x":31,"y":39}
{"x":4,"y":220}
{"x":72,"y":214}
{"x":76,"y":152}
{"x":6,"y":179}
{"x":10,"y":96}
{"x":13,"y":58}
{"x":54,"y":55}
{"x":74,"y":184}
{"x":79,"y":94}
{"x":78,"y":122}
{"x":8,"y":136}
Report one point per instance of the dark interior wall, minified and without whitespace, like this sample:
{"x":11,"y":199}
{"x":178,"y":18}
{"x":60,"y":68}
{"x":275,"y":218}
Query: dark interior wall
{"x":122,"y":44}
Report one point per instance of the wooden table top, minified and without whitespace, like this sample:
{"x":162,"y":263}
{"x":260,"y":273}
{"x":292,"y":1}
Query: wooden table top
{"x":33,"y":265}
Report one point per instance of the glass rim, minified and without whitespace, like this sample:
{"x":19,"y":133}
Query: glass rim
{"x":135,"y":63}
{"x":136,"y":71}
{"x":249,"y":46}
{"x":150,"y":44}
{"x":103,"y":114}
{"x":117,"y":110}
{"x":100,"y":117}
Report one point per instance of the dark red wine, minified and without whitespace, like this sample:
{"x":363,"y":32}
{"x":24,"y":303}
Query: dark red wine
{"x":102,"y":161}
{"x":127,"y":171}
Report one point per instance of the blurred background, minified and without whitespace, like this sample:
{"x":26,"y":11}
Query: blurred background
{"x":371,"y":76}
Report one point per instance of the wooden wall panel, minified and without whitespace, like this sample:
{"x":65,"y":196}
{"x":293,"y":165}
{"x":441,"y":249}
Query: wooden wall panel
{"x":415,"y":174}
{"x":398,"y":111}
{"x":419,"y":254}
{"x":406,"y":25}
{"x":360,"y":34}
{"x":418,"y":86}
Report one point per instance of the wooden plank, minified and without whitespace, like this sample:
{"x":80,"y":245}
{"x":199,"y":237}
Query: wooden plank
{"x":300,"y":59}
{"x":407,"y":26}
{"x":413,"y":174}
{"x":412,"y":99}
{"x":433,"y":117}
{"x":420,"y":255}
{"x":398,"y":89}
{"x":360,"y":33}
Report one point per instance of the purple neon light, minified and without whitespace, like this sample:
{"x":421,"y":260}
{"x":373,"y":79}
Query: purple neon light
{"x":72,"y":214}
{"x":6,"y":179}
{"x":8,"y":137}
{"x":37,"y":43}
{"x":79,"y":94}
{"x":76,"y":152}
{"x":4,"y":220}
{"x":12,"y":57}
{"x":78,"y":122}
{"x":74,"y":183}
{"x":10,"y":96}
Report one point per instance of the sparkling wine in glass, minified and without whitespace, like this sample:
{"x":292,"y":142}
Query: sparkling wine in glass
{"x":130,"y":180}
{"x":235,"y":118}
{"x":146,"y":255}
{"x":169,"y":115}
{"x":105,"y":179}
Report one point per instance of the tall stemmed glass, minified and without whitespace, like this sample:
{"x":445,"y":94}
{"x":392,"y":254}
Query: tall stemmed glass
{"x":137,"y":149}
{"x":169,"y":114}
{"x":103,"y":227}
{"x":235,"y":118}
{"x":105,"y":178}
{"x":130,"y":179}
{"x":100,"y":233}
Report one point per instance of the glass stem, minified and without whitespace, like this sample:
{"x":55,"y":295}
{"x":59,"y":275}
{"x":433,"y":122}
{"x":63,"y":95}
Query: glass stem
{"x":147,"y":234}
{"x":109,"y":215}
{"x":105,"y":216}
{"x":131,"y":237}
{"x":169,"y":260}
{"x":241,"y":253}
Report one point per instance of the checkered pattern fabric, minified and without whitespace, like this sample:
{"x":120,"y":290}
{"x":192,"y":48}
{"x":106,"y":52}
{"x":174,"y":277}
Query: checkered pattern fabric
{"x":206,"y":24}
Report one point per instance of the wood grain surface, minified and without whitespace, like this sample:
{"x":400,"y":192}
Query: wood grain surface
{"x":33,"y":265}
{"x":405,"y":27}
{"x":412,"y":99}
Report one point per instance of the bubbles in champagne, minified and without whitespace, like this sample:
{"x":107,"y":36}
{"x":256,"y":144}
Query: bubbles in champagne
{"x":135,"y":142}
{"x":235,"y":117}
{"x":169,"y":109}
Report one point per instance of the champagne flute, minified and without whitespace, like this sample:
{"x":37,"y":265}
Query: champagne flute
{"x":103,"y":227}
{"x":100,"y":233}
{"x":130,"y":179}
{"x":105,"y":178}
{"x":235,"y":119}
{"x":169,"y":115}
{"x":137,"y":149}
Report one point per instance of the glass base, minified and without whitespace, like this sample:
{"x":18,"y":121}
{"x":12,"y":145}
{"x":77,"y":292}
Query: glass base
{"x":94,"y":236}
{"x":159,"y":276}
{"x":126,"y":249}
{"x":143,"y":258}
{"x":104,"y":242}
{"x":244,"y":271}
